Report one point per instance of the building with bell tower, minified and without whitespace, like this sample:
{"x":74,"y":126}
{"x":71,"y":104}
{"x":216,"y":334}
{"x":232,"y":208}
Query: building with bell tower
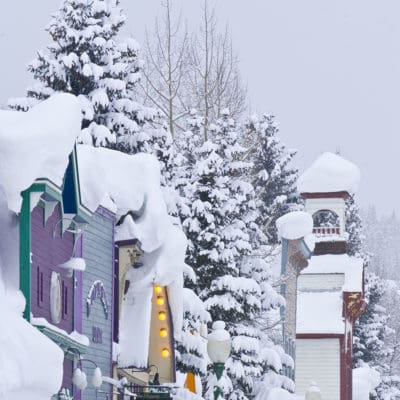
{"x":330,"y":293}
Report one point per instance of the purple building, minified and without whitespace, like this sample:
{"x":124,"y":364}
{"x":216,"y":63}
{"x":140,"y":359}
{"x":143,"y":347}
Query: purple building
{"x":51,"y":221}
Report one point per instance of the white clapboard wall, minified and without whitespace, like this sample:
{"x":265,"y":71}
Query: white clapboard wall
{"x":318,"y":360}
{"x":320,"y":282}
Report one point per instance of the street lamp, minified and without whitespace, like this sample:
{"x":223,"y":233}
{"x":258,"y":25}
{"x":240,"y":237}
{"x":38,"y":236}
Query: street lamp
{"x":219,"y":349}
{"x":79,"y":377}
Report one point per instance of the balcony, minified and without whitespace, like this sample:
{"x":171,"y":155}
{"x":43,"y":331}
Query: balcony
{"x":326,"y":231}
{"x":152,"y":392}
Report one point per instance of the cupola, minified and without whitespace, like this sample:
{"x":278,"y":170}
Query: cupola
{"x":325,"y":185}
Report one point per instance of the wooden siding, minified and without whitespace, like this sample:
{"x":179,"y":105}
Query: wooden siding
{"x":320,"y":282}
{"x":318,"y":360}
{"x":97,"y":249}
{"x":331,"y":247}
{"x":47,"y":253}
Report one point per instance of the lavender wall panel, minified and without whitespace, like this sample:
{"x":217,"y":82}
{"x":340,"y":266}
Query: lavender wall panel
{"x":48,"y":252}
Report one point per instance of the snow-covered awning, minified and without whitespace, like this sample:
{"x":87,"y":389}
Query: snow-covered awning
{"x":72,"y":341}
{"x":351,"y":267}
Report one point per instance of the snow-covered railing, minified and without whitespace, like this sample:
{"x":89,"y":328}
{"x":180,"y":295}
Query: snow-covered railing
{"x":324,"y":231}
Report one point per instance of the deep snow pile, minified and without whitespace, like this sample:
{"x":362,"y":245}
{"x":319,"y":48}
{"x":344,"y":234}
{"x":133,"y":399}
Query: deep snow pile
{"x":36,"y":144}
{"x":294,"y":225}
{"x":30,"y":363}
{"x":365,"y":380}
{"x":131,"y":184}
{"x":330,"y":173}
{"x":33,"y":145}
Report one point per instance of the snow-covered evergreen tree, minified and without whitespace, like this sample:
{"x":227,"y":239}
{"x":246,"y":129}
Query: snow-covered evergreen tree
{"x":371,"y":332}
{"x":371,"y":327}
{"x":186,"y":145}
{"x":273,"y":178}
{"x":87,"y":58}
{"x":382,"y":240}
{"x":191,"y":347}
{"x":353,"y":227}
{"x":219,"y":239}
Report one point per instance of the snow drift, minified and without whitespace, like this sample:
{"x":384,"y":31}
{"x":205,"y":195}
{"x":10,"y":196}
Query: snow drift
{"x":30,"y":363}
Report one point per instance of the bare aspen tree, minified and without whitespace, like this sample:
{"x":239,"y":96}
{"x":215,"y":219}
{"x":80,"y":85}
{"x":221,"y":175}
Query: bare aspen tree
{"x":214,"y":77}
{"x":166,"y":66}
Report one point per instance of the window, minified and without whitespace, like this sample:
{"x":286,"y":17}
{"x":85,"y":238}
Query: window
{"x":39,"y":286}
{"x":64,"y":292}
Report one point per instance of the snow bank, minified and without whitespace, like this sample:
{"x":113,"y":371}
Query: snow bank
{"x":365,"y":380}
{"x":185,"y":394}
{"x":351,"y":267}
{"x":31,"y":365}
{"x":330,"y":173}
{"x":132,"y":184}
{"x":280,"y":394}
{"x":319,"y":312}
{"x":9,"y":243}
{"x":294,"y":225}
{"x":36,"y":144}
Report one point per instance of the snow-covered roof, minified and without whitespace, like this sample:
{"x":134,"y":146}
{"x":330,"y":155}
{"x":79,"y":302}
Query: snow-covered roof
{"x":320,"y":312}
{"x":330,"y":173}
{"x":294,"y":225}
{"x":23,"y":346}
{"x":126,"y":183}
{"x":351,"y":267}
{"x":36,"y":144}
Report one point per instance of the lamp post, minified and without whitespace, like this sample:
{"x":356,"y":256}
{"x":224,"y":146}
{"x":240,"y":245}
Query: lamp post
{"x":219,"y":349}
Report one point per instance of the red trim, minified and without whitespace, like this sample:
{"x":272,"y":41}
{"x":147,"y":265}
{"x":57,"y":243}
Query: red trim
{"x":342,"y":370}
{"x":128,"y":242}
{"x":319,"y":336}
{"x":327,"y":195}
{"x":345,"y":360}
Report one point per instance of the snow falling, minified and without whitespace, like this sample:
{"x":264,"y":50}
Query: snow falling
{"x":224,"y":272}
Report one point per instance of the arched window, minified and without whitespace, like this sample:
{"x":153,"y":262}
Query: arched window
{"x":326,"y":223}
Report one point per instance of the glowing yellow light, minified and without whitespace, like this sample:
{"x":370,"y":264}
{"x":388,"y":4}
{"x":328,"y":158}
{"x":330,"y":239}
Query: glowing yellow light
{"x":165,"y":353}
{"x":163,"y":332}
{"x":160,"y":300}
{"x":162,"y":316}
{"x":158,"y":289}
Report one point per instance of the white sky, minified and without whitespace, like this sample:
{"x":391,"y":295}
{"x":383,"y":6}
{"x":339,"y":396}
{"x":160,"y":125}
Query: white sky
{"x":329,"y":70}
